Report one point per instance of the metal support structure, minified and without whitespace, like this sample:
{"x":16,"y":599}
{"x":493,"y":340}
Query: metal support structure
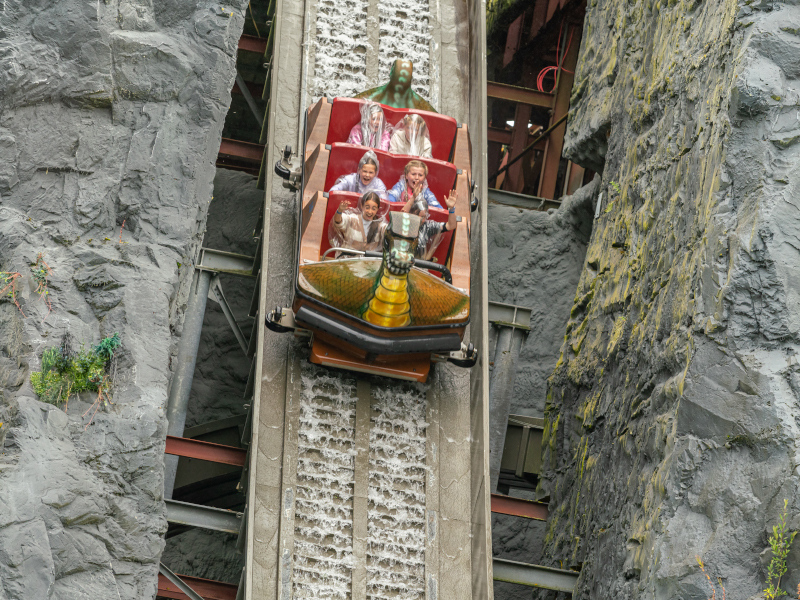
{"x":181,"y":386}
{"x":218,"y":261}
{"x":518,"y":507}
{"x":216,"y":294}
{"x":178,"y":583}
{"x":203,"y":517}
{"x":249,"y":99}
{"x":521,"y":200}
{"x":511,"y":571}
{"x":555,"y":143}
{"x":207,"y":588}
{"x":226,"y":455}
{"x":514,"y":323}
{"x":522,"y":95}
{"x":251,"y":43}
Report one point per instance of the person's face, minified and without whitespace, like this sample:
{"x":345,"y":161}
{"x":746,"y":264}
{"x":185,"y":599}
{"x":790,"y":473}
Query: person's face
{"x":411,"y":130}
{"x":416,"y":175}
{"x":423,"y":216}
{"x":375,"y":120}
{"x":368,"y":173}
{"x":370,"y":210}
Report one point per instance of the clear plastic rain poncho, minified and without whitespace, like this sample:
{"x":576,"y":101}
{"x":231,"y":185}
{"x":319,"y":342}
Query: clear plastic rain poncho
{"x":430,"y":232}
{"x":401,"y":190}
{"x":357,"y":231}
{"x":354,"y":182}
{"x":411,"y":137}
{"x":373,"y":131}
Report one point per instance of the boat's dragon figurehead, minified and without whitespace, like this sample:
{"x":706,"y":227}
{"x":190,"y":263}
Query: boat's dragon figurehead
{"x":389,"y":304}
{"x":400,"y":242}
{"x":397,"y":92}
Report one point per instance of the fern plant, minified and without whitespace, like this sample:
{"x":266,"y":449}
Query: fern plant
{"x":780,"y":542}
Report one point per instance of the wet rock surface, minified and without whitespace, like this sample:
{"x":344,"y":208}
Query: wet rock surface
{"x":672,"y":413}
{"x":110,"y":125}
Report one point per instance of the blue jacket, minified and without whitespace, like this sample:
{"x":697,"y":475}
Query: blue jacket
{"x":397,"y":192}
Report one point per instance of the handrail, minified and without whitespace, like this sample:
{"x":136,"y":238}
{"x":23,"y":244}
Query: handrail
{"x":421,"y":264}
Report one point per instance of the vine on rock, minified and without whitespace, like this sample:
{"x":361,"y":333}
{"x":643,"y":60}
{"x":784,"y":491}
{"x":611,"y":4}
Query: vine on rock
{"x":40,"y":271}
{"x":8,"y":287}
{"x":66,"y":371}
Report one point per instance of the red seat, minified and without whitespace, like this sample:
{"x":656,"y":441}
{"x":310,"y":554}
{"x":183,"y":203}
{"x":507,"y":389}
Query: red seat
{"x":346,"y":112}
{"x":335,"y":199}
{"x":344,"y":160}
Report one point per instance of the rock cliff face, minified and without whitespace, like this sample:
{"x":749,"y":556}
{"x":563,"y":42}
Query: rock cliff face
{"x":111,"y":116}
{"x":672,"y":415}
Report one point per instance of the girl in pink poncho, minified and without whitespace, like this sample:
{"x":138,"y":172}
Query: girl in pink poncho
{"x":373,"y":131}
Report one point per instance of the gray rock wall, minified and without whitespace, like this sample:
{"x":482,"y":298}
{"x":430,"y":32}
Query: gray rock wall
{"x":535,"y":260}
{"x":110,"y":112}
{"x":672,"y":426}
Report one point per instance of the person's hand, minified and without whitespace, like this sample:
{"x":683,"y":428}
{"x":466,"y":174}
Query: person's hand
{"x":451,"y":199}
{"x":417,"y":190}
{"x":343,"y":206}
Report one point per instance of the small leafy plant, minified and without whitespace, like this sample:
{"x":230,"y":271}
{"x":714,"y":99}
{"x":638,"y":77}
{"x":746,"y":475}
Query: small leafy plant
{"x":780,"y":542}
{"x":66,"y":371}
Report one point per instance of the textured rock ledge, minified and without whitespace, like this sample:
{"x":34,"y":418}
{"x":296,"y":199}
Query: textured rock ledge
{"x":111,"y":113}
{"x":672,"y":414}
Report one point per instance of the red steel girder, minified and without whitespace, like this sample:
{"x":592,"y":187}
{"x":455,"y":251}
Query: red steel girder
{"x":251,"y":43}
{"x":227,"y":455}
{"x":519,"y":94}
{"x":206,"y":588}
{"x":239,"y":149}
{"x":517,"y":507}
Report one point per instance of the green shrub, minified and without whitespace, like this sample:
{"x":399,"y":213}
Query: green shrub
{"x":65,"y":372}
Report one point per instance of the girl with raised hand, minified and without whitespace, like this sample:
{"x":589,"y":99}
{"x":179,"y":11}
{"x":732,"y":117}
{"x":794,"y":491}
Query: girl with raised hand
{"x":413,"y":183}
{"x":365,"y":179}
{"x":373,"y":131}
{"x":411,"y":137}
{"x":359,"y":228}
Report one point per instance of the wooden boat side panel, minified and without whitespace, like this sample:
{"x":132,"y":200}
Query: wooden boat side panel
{"x":314,"y":229}
{"x":317,"y":123}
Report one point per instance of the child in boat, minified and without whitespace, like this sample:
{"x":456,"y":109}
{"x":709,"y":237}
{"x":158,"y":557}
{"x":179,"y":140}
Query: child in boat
{"x":359,"y":228}
{"x":364,"y":180}
{"x":430,"y":232}
{"x":413,"y":182}
{"x":411,"y":137}
{"x":373,"y":131}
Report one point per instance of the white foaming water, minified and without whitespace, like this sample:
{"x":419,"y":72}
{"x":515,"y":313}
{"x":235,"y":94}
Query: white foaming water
{"x":406,"y":33}
{"x":323,"y":551}
{"x":396,"y":517}
{"x":341,"y":46}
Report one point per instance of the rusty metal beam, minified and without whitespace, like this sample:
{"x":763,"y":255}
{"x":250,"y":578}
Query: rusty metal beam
{"x":517,"y":507}
{"x":239,"y":149}
{"x":522,"y":95}
{"x":499,"y":136}
{"x":251,"y":43}
{"x":226,"y":455}
{"x":555,"y":143}
{"x":208,"y":589}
